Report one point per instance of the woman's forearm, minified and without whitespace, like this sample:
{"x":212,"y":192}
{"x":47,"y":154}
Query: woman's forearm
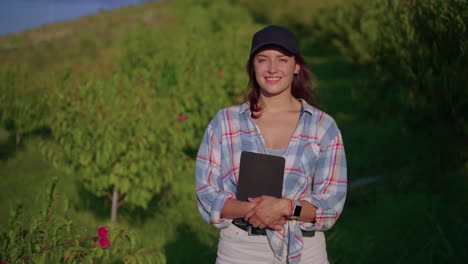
{"x":307,"y":212}
{"x":235,"y":209}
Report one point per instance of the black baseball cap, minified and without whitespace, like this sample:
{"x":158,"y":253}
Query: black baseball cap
{"x":274,"y":35}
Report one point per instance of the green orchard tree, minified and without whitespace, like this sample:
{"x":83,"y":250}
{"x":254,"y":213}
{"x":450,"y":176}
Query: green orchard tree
{"x":206,"y":73}
{"x":117,"y":135}
{"x":23,"y":101}
{"x":412,"y":49}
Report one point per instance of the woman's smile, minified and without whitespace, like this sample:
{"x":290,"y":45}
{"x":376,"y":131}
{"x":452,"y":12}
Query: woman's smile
{"x":272,"y":79}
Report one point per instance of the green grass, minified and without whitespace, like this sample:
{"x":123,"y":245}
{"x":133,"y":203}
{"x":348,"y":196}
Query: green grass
{"x":394,"y":221}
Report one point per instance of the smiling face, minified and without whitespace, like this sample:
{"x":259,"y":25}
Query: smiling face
{"x":274,"y":71}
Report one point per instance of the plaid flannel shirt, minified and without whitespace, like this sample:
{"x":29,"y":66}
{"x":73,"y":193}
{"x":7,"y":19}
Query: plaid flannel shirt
{"x":315,"y":170}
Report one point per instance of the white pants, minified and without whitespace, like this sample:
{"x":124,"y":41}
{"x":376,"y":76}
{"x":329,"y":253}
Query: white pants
{"x":237,"y":247}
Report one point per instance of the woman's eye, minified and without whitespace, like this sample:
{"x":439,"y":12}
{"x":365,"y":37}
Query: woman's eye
{"x":261,"y":60}
{"x":283,"y":60}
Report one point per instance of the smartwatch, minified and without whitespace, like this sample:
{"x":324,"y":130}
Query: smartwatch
{"x":296,"y":212}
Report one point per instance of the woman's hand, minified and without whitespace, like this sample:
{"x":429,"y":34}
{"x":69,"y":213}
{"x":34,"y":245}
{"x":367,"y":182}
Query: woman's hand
{"x":269,"y":212}
{"x":278,"y":224}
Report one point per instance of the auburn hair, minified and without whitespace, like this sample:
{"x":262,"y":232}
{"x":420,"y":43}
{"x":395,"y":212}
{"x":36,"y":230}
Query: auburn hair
{"x":301,"y":87}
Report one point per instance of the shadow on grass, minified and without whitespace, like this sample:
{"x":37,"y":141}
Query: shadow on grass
{"x":160,"y":202}
{"x":409,"y":218}
{"x":99,"y":206}
{"x":188,"y":248}
{"x":10,"y":144}
{"x":8,"y":147}
{"x":191,"y":152}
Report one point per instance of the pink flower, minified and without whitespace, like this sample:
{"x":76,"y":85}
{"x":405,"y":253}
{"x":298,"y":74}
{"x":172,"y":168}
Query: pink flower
{"x":95,"y":245}
{"x":102,"y":231}
{"x":182,"y":118}
{"x":104,"y":242}
{"x":1,"y":262}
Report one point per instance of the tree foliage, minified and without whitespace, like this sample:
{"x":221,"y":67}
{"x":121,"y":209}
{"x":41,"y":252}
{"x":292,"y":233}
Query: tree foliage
{"x":417,"y":49}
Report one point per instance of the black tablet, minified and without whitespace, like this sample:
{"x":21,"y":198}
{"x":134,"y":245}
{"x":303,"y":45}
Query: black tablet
{"x":260,"y":174}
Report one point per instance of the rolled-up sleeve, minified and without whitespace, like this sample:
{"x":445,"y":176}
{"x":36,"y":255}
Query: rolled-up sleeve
{"x":330,"y":182}
{"x":210,"y":194}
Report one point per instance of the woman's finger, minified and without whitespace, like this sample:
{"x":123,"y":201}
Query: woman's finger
{"x":276,"y":227}
{"x":252,"y":220}
{"x":255,"y":199}
{"x":249,"y":214}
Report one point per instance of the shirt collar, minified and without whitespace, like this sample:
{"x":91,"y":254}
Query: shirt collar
{"x":307,"y":107}
{"x":245,"y":107}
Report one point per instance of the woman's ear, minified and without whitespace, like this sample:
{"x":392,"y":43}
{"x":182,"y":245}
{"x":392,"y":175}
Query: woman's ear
{"x":297,"y":69}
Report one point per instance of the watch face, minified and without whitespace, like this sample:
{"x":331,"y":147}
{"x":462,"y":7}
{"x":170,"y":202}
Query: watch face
{"x":297,"y":211}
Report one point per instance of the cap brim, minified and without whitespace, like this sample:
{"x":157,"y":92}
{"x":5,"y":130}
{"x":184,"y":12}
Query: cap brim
{"x":272,"y":43}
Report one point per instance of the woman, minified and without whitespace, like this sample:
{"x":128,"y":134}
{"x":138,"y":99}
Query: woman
{"x":278,"y":119}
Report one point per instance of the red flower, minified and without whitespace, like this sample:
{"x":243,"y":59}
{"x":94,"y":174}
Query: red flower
{"x":182,"y":118}
{"x":102,"y":231}
{"x":104,"y":242}
{"x":1,"y":262}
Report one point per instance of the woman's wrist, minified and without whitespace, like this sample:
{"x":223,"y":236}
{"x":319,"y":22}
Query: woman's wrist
{"x":288,"y":207}
{"x":236,"y":209}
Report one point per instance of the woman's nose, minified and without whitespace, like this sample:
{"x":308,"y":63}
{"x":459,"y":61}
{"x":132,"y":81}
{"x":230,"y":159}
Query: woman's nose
{"x":272,"y":67}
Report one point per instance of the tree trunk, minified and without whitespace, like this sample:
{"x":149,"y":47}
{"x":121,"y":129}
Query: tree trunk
{"x":18,"y":140}
{"x":115,"y":205}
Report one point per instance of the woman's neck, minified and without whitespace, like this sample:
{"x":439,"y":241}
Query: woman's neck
{"x":279,"y":103}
